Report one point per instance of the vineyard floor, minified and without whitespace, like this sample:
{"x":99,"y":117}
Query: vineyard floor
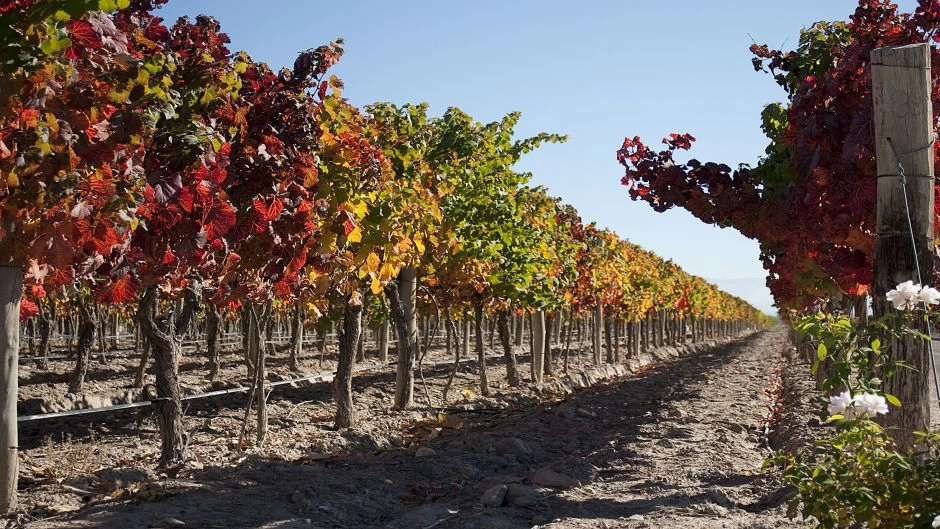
{"x":672,"y":446}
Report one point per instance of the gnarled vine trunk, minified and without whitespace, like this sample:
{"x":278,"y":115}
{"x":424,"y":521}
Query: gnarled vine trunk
{"x":86,"y":335}
{"x":164,"y":333}
{"x":457,"y":349}
{"x":607,"y":341}
{"x":481,"y":353}
{"x":259,"y":319}
{"x":296,"y":336}
{"x":502,"y":325}
{"x":213,"y":318}
{"x":46,"y":317}
{"x":402,"y":297}
{"x":349,"y":335}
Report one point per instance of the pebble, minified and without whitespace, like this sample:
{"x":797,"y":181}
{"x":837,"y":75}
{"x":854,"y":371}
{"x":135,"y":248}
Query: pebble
{"x":676,"y":413}
{"x":81,"y":481}
{"x":494,"y":496}
{"x":666,"y":443}
{"x":521,"y":495}
{"x":549,"y":478}
{"x":712,"y":509}
{"x":124,"y":477}
{"x":513,"y":446}
{"x":737,"y":428}
{"x":424,"y":451}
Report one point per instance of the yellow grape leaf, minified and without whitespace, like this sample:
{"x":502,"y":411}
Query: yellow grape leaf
{"x":372,"y":263}
{"x":359,"y":209}
{"x":467,"y":393}
{"x":376,"y":286}
{"x":355,"y":235}
{"x":386,"y":272}
{"x":419,"y":244}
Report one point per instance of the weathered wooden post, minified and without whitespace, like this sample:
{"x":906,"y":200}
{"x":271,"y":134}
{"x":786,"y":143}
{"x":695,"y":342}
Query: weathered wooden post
{"x":11,"y":289}
{"x":903,"y":145}
{"x":539,"y":340}
{"x":598,"y":329}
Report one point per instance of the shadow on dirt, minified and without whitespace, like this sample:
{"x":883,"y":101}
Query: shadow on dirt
{"x":580,"y":435}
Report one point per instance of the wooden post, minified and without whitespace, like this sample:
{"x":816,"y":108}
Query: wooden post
{"x":598,"y":328}
{"x":538,"y":346}
{"x":901,"y":89}
{"x":383,"y":341}
{"x":466,"y":335}
{"x":11,"y":289}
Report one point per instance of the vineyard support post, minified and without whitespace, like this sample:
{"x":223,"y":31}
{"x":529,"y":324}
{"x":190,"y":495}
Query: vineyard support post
{"x":547,"y":344}
{"x":520,"y":330}
{"x":901,"y":89}
{"x":598,"y":328}
{"x":383,"y":342}
{"x":11,"y":288}
{"x":538,"y":346}
{"x":465,"y":324}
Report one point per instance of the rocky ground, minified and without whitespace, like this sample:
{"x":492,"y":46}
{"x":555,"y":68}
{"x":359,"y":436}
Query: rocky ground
{"x":676,"y":444}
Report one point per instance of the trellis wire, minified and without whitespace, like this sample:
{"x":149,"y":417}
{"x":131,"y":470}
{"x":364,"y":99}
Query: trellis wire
{"x":902,"y":181}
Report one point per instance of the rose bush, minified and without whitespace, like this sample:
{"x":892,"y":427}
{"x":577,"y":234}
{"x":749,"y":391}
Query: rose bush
{"x":855,"y":476}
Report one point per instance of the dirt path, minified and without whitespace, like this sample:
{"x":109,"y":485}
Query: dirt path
{"x":670,"y":447}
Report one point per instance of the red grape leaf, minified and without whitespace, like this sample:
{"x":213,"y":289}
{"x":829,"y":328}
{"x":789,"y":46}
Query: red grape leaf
{"x":119,"y":290}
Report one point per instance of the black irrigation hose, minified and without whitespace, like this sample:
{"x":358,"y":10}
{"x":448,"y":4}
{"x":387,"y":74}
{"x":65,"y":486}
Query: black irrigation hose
{"x":27,"y":359}
{"x":323,"y":376}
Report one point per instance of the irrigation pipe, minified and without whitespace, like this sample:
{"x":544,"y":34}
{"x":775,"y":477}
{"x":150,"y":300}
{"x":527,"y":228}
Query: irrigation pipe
{"x":323,"y":376}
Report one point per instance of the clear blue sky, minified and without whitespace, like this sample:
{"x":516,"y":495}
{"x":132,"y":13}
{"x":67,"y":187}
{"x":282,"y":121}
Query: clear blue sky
{"x":594,"y":70}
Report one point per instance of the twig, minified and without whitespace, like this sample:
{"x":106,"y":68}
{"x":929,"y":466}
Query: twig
{"x":296,"y":406}
{"x":77,"y":490}
{"x":450,"y":516}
